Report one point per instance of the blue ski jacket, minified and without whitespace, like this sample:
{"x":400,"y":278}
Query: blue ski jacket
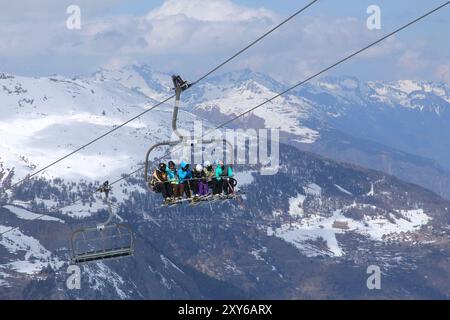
{"x":220,"y":172}
{"x":172,"y":176}
{"x":184,"y":175}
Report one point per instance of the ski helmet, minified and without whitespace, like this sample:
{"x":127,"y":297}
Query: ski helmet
{"x":207,"y":164}
{"x":162,"y":166}
{"x":184,"y":165}
{"x":199,"y":167}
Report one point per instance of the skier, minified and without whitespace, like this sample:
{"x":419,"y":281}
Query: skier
{"x":228,"y":180}
{"x":218,"y":180}
{"x":208,"y":171}
{"x":185,"y":176}
{"x":173,"y":179}
{"x":202,"y":183}
{"x":160,"y":182}
{"x":197,"y":175}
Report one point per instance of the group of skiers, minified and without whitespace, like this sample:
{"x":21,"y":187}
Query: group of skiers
{"x":174,"y":183}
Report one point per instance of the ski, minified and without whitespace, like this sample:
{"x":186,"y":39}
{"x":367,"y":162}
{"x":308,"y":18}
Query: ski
{"x":198,"y":200}
{"x":173,"y":203}
{"x":194,"y":201}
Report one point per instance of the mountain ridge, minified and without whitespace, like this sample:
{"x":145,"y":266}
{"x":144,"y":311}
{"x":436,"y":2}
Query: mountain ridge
{"x":329,"y":217}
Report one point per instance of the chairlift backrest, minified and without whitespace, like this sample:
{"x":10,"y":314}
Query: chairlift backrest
{"x":105,"y":241}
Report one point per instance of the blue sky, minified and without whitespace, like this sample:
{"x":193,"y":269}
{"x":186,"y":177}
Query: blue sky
{"x":191,"y":36}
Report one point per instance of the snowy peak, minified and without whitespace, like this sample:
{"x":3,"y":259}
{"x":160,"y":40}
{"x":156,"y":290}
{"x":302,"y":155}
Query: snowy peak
{"x":139,"y":78}
{"x":340,"y":92}
{"x":236,"y":92}
{"x":240,"y":77}
{"x":56,"y":95}
{"x":400,"y":94}
{"x":424,"y":96}
{"x":46,"y":118}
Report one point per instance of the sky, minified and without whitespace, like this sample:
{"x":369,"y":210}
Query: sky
{"x":192,"y":36}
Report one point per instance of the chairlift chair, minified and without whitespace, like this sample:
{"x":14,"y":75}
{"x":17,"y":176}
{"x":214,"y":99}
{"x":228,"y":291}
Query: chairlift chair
{"x":179,"y":86}
{"x":107,"y":240}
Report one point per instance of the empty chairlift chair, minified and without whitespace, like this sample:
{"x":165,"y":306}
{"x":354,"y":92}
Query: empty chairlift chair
{"x":105,"y":241}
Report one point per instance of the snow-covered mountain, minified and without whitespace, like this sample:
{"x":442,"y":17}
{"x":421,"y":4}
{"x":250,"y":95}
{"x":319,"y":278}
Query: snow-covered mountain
{"x":398,"y":127}
{"x":43,"y":119}
{"x":308,"y":232}
{"x":329,"y":218}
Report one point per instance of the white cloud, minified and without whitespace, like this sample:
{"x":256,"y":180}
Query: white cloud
{"x":191,"y":26}
{"x":208,"y":11}
{"x":193,"y":35}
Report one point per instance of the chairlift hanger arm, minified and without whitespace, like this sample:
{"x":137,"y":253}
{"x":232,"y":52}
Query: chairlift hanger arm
{"x":180,"y":85}
{"x":105,"y":188}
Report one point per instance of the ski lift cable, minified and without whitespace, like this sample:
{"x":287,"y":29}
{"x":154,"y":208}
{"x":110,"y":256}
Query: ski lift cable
{"x":278,"y":95}
{"x":28,"y":177}
{"x":300,"y":83}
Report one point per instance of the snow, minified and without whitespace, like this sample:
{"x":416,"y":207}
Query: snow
{"x":321,"y":227}
{"x":257,"y":253}
{"x":411,"y":220}
{"x":167,"y":262}
{"x":48,"y":203}
{"x":343,"y":190}
{"x":29,"y":256}
{"x":408,"y":86}
{"x":28,"y":215}
{"x":121,"y":195}
{"x":371,"y":193}
{"x":164,"y":280}
{"x":63,"y":114}
{"x":100,"y":276}
{"x":130,"y":78}
{"x":55,"y":124}
{"x":285,"y":113}
{"x":313,"y":190}
{"x":80,"y":211}
{"x":3,"y":282}
{"x":328,"y":86}
{"x":402,"y":92}
{"x":244,"y":177}
{"x":296,"y":206}
{"x":311,"y":229}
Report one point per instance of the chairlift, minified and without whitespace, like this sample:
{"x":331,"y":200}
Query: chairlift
{"x":179,"y":86}
{"x":106,"y":241}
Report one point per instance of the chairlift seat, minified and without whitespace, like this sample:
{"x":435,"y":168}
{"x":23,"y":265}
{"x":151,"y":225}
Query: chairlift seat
{"x":93,"y":244}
